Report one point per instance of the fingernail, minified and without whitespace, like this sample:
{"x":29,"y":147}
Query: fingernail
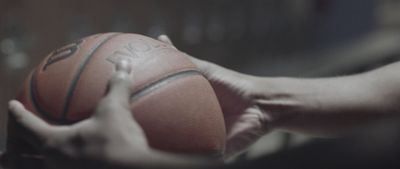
{"x":124,"y":65}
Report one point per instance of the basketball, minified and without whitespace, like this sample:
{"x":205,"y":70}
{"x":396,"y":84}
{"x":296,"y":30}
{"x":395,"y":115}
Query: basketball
{"x":171,"y":100}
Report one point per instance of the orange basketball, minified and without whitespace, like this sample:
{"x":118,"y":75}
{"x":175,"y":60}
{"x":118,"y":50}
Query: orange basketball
{"x":171,"y":100}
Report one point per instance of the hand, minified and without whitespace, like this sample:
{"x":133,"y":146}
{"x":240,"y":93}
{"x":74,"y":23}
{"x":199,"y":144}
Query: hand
{"x":108,"y":138}
{"x":245,"y":121}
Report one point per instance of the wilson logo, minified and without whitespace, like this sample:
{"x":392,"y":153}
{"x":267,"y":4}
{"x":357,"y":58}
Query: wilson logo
{"x":62,"y":53}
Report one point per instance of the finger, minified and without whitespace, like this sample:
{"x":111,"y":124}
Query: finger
{"x":117,"y":98}
{"x":198,"y":62}
{"x":202,"y":65}
{"x":205,"y":67}
{"x":123,"y":66}
{"x":239,"y":141}
{"x":120,"y":83}
{"x":165,"y":39}
{"x":35,"y":128}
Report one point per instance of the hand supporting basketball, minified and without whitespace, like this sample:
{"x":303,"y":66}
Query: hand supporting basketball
{"x":102,"y":140}
{"x":245,"y":121}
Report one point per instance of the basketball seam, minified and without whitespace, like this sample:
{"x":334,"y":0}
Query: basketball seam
{"x":154,"y":86}
{"x":134,"y":96}
{"x":161,"y":82}
{"x":33,"y":89}
{"x":33,"y":95}
{"x":77,"y":76}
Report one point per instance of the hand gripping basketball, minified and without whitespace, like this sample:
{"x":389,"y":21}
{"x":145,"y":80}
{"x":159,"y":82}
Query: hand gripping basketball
{"x":101,"y":139}
{"x":170,"y":99}
{"x":245,"y":122}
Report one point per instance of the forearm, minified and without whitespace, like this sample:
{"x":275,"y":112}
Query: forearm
{"x":327,"y":106}
{"x":153,"y":159}
{"x":176,"y":161}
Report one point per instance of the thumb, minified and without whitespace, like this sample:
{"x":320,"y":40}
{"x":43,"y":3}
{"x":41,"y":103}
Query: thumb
{"x":207,"y":68}
{"x":120,"y":83}
{"x":118,"y":96}
{"x":35,"y":129}
{"x":203,"y":66}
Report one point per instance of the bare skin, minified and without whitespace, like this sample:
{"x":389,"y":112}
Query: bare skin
{"x":111,"y":138}
{"x":323,"y":107}
{"x":252,"y":107}
{"x":59,"y":143}
{"x":245,"y":121}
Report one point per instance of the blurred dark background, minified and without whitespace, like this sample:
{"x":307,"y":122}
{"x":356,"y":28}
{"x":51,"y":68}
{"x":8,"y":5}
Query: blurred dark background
{"x":302,"y":38}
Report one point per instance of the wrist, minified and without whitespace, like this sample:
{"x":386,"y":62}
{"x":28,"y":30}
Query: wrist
{"x":282,"y":100}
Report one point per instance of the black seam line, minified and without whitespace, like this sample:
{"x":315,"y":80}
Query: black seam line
{"x":160,"y":83}
{"x":153,"y":86}
{"x":82,"y":66}
{"x":33,"y":96}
